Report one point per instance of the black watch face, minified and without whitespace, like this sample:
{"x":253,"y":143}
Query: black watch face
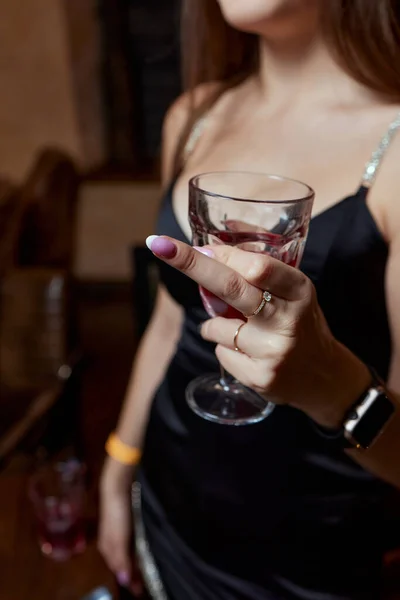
{"x":373,"y":421}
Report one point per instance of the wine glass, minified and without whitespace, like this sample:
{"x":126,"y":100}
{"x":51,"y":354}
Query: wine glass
{"x":256,"y":212}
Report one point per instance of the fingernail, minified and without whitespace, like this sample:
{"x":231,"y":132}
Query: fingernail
{"x":206,"y":251}
{"x":161,"y":246}
{"x":123,"y":578}
{"x":213,"y":305}
{"x":216,"y":306}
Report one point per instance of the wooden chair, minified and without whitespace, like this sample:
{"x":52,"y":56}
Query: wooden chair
{"x":38,"y":335}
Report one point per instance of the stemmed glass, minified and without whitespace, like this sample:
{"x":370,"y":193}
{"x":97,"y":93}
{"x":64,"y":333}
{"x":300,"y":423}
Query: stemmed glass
{"x":256,"y":212}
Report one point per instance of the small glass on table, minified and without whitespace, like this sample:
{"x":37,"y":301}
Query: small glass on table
{"x":256,"y":212}
{"x":57,"y":493}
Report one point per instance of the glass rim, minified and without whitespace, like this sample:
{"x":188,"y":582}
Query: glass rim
{"x":309,"y":196}
{"x":46,"y":471}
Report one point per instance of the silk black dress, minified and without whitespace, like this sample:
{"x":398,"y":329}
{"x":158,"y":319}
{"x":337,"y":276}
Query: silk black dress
{"x":275,"y":510}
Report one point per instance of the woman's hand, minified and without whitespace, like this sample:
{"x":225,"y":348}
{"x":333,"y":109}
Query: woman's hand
{"x":115,"y":530}
{"x":288,"y":353}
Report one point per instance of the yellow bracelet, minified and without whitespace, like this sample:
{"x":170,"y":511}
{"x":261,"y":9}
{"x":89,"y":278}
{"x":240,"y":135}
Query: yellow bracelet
{"x":127,"y":455}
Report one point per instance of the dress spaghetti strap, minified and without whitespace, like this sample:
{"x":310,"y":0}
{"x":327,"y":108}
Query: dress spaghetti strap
{"x":194,"y":137}
{"x":372,"y":166}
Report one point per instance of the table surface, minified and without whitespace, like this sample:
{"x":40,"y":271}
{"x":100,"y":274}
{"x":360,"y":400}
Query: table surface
{"x":24,"y":573}
{"x":109,"y":343}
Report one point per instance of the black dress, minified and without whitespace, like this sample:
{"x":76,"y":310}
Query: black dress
{"x":272,"y":510}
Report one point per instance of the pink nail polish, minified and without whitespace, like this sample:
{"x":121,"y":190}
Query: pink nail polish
{"x":207,"y":251}
{"x":161,"y":246}
{"x":123,"y":579}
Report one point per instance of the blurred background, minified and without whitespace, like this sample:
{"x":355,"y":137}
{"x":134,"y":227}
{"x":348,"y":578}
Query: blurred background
{"x":84,"y":88}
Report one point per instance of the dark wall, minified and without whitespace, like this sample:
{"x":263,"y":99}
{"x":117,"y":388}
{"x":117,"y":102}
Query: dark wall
{"x":141,"y":74}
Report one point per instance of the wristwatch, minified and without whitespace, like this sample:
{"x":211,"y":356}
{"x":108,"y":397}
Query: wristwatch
{"x":366,"y":419}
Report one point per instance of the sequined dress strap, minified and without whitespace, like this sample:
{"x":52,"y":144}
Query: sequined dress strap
{"x":194,"y":136}
{"x":372,"y":166}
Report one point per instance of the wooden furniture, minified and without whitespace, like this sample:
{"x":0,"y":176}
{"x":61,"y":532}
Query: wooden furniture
{"x":107,"y":337}
{"x":38,"y":340}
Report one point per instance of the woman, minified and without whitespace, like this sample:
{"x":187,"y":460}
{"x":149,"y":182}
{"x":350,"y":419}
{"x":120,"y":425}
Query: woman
{"x":277,"y":510}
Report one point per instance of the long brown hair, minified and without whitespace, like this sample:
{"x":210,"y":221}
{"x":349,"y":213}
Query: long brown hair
{"x":364,"y":36}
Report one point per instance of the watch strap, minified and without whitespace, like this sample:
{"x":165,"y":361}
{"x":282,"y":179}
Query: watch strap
{"x":337,"y":436}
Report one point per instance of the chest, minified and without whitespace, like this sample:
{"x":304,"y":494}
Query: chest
{"x":328,"y":158}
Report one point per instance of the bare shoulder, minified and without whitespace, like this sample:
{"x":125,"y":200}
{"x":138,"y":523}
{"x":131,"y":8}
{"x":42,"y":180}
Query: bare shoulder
{"x":177,"y":113}
{"x":176,"y":118}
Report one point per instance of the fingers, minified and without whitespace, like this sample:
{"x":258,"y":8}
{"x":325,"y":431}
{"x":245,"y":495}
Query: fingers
{"x":264,"y":272}
{"x":115,"y":553}
{"x":226,"y":333}
{"x":246,"y":369}
{"x":115,"y":535}
{"x":259,"y":270}
{"x":223,"y":331}
{"x":221,"y":280}
{"x":249,"y":339}
{"x":114,"y":549}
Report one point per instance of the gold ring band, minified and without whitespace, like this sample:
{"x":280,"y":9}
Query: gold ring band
{"x":235,"y":337}
{"x":265,"y":298}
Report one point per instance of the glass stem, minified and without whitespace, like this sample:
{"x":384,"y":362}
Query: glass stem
{"x":222,"y":378}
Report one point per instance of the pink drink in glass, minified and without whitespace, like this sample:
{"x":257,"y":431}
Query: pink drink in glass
{"x":262,"y":214}
{"x":285,"y":249}
{"x":57,"y":493}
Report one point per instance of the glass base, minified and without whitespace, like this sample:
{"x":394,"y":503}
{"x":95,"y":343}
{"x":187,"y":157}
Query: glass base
{"x":60,"y":552}
{"x":226,"y":401}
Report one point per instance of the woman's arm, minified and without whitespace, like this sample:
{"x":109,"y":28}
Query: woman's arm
{"x":153,"y":355}
{"x":159,"y":340}
{"x":383,"y":458}
{"x":115,"y":526}
{"x":152,"y":358}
